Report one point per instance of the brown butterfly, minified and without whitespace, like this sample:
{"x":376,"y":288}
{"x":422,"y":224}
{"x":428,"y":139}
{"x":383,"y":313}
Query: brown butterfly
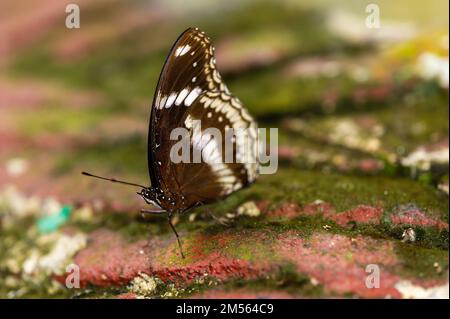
{"x":190,"y":91}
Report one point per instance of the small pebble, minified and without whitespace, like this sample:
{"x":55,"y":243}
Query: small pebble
{"x":249,"y":209}
{"x":409,"y":235}
{"x":314,"y":281}
{"x":192,"y":217}
{"x":143,"y":285}
{"x":16,"y":166}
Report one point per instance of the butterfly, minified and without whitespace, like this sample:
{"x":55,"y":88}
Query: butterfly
{"x":190,"y":93}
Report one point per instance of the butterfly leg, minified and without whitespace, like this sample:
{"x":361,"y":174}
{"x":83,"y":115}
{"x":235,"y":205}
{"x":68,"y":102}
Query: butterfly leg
{"x":169,"y":218}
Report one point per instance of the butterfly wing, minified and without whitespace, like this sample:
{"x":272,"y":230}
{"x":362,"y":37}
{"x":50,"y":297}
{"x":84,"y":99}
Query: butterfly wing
{"x":190,"y":88}
{"x":188,"y":71}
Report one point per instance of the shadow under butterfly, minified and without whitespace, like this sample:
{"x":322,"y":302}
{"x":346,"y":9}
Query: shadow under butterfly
{"x":190,"y":91}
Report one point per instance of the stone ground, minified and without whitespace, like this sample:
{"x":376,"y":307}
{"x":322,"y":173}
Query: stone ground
{"x":362,"y":183}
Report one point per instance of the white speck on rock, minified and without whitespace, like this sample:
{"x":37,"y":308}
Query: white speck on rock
{"x":249,"y":209}
{"x":314,"y":281}
{"x":409,"y":235}
{"x":143,"y":285}
{"x":16,"y":166}
{"x":15,"y":206}
{"x":433,"y":66}
{"x":423,"y":159}
{"x":51,"y":206}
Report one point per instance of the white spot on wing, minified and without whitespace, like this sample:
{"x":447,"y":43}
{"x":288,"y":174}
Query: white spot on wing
{"x":162,"y":103}
{"x":211,"y":155}
{"x":182,"y":50}
{"x":171,"y":99}
{"x":246,"y":141}
{"x":181,"y":96}
{"x":192,"y":96}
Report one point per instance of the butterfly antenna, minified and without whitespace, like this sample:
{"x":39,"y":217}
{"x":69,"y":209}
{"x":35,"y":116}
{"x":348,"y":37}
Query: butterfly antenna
{"x":169,"y":218}
{"x":112,"y":180}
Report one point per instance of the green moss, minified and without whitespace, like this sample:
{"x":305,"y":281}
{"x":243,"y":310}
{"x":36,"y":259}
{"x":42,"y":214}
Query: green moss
{"x":133,"y":228}
{"x":285,"y":279}
{"x":408,"y":119}
{"x":264,"y":102}
{"x":92,"y":292}
{"x":57,"y":119}
{"x":34,"y":291}
{"x":113,"y":154}
{"x":345,"y":192}
{"x":421,"y":262}
{"x":245,"y":245}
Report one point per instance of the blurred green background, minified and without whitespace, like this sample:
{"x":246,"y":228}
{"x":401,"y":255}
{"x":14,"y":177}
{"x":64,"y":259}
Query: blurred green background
{"x":359,"y":110}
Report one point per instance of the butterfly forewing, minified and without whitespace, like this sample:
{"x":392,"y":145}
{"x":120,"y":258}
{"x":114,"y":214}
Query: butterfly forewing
{"x":187,"y":72}
{"x":190,"y":91}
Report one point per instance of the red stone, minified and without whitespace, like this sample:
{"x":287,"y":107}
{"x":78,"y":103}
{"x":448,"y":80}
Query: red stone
{"x":318,"y":208}
{"x":338,"y":262}
{"x":127,"y":295}
{"x":111,"y":260}
{"x":287,"y":210}
{"x":287,"y":152}
{"x":416,"y":217}
{"x":370,"y":165}
{"x":361,"y":214}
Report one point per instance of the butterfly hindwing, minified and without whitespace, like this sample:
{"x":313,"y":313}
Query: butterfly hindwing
{"x":224,"y":168}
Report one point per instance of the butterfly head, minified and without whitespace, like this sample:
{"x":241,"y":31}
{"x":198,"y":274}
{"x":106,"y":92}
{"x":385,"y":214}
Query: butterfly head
{"x":149,"y":195}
